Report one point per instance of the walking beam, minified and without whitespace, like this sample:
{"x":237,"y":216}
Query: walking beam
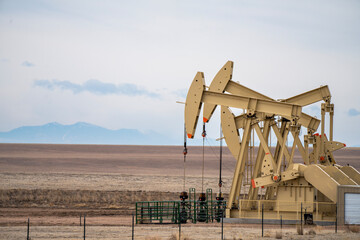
{"x":310,"y":97}
{"x":197,"y":95}
{"x":223,"y":83}
{"x":253,"y":105}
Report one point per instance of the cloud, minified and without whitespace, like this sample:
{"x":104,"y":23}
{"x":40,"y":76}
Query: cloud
{"x":180,"y":93}
{"x":353,"y":112}
{"x":27,"y":64}
{"x":313,"y":110}
{"x":96,"y":87}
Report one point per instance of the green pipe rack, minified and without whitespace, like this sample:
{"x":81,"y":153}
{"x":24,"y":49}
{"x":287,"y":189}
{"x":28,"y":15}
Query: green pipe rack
{"x":175,"y":211}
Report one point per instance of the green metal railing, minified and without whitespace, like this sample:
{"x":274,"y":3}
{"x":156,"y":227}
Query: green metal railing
{"x":176,"y":211}
{"x":157,"y":212}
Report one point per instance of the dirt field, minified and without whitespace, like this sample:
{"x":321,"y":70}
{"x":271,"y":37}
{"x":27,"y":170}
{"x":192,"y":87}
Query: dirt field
{"x":54,"y":185}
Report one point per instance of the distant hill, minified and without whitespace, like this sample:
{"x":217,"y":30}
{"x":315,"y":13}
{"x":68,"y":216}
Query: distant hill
{"x":83,"y":133}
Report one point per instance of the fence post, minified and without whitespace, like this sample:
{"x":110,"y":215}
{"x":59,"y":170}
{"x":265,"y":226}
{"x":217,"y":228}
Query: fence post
{"x":178,"y":209}
{"x":84,"y":226}
{"x":28,"y":230}
{"x":301,"y":221}
{"x":336,"y":220}
{"x":281,"y":222}
{"x":179,"y":229}
{"x":132,"y":227}
{"x":262,"y":220}
{"x":222,"y":225}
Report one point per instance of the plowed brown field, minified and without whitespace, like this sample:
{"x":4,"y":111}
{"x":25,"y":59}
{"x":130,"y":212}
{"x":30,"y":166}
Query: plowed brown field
{"x":54,"y":185}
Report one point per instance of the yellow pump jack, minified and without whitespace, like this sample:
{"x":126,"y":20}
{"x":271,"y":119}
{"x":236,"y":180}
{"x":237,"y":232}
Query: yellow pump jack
{"x":309,"y":184}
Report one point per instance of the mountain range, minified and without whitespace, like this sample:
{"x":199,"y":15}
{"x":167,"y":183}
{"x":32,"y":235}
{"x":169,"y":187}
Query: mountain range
{"x":83,"y":133}
{"x":86,"y":133}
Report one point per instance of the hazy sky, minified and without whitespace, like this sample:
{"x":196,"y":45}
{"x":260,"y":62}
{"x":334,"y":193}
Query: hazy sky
{"x":124,"y":64}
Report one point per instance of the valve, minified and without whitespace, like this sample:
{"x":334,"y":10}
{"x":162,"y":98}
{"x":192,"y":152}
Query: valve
{"x":219,"y":197}
{"x":202,"y":197}
{"x":184,"y":196}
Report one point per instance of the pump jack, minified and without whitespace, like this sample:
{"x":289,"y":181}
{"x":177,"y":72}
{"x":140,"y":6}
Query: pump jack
{"x":312,"y":183}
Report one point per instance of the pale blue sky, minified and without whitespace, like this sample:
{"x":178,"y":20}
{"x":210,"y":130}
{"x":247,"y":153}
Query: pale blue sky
{"x":123,"y":64}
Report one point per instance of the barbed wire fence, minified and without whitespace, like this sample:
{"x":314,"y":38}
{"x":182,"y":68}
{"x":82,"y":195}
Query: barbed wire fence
{"x":125,"y":227}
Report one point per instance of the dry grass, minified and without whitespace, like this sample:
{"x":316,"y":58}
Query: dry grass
{"x":164,"y":232}
{"x":175,"y":236}
{"x":299,"y":229}
{"x":124,"y":201}
{"x":311,"y":232}
{"x":78,"y":198}
{"x":105,"y":182}
{"x":278,"y":235}
{"x":353,"y":228}
{"x":153,"y":238}
{"x":318,"y":228}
